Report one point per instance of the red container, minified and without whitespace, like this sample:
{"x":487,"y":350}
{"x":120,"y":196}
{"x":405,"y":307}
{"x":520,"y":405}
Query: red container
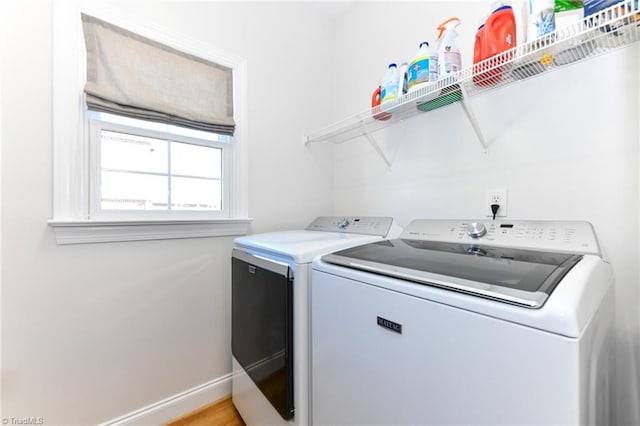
{"x":375,"y":104}
{"x":495,"y":36}
{"x":479,"y":48}
{"x":500,"y":31}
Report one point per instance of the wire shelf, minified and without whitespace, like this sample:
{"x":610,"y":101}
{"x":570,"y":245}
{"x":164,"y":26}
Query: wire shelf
{"x":608,"y":30}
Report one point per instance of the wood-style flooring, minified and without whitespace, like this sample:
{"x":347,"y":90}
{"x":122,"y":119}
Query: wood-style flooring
{"x":219,"y":413}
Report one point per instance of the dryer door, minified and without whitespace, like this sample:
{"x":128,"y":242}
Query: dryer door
{"x":262,"y":326}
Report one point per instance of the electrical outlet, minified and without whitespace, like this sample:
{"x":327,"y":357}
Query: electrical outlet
{"x":496,"y":196}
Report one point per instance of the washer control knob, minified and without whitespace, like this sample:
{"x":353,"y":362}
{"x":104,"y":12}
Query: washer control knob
{"x":343,"y":223}
{"x":476,"y":230}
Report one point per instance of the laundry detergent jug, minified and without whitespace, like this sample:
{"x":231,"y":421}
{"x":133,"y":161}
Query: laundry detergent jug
{"x":479,"y":50}
{"x":500,"y":31}
{"x":496,"y":36}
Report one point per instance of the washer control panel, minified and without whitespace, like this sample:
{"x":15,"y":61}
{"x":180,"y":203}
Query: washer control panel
{"x":565,"y":236}
{"x":367,"y":225}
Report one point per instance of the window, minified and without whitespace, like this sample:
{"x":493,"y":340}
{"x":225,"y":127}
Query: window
{"x":154,"y":169}
{"x":118,"y":178}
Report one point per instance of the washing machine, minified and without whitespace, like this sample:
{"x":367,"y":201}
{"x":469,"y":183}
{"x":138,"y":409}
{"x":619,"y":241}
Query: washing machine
{"x":464,"y":322}
{"x":270,"y":314}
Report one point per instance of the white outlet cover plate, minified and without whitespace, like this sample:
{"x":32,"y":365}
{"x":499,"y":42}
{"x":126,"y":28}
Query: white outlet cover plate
{"x":502,"y":196}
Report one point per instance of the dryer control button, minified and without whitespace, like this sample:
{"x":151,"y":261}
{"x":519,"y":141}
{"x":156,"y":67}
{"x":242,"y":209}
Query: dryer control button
{"x":476,"y":230}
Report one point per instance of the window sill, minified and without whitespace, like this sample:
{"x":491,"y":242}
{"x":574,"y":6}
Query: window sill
{"x":104,"y":231}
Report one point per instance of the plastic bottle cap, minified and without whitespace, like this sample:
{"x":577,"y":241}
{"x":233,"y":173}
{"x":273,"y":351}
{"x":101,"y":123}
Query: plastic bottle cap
{"x":424,"y":42}
{"x":392,"y":65}
{"x":503,"y":7}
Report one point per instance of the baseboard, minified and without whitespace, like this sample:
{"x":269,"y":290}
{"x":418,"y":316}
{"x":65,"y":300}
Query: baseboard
{"x":177,"y":405}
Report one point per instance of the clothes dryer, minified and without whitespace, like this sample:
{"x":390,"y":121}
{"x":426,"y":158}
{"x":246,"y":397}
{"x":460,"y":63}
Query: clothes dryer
{"x":270,"y":314}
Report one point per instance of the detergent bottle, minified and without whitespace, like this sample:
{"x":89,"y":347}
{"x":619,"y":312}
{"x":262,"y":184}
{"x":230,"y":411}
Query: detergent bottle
{"x":423,"y":68}
{"x":390,"y":85}
{"x":568,"y":13}
{"x":496,"y":35}
{"x":402,"y":88}
{"x":449,"y":60}
{"x":479,"y":46}
{"x":541,"y":18}
{"x":500,"y":30}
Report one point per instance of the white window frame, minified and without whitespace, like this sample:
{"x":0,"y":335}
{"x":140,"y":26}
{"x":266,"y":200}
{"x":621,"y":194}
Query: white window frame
{"x":72,"y":220}
{"x":96,"y":127}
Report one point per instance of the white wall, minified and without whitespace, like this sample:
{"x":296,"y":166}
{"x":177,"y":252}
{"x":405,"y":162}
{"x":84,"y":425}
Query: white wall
{"x":565,"y":145}
{"x":93,"y":332}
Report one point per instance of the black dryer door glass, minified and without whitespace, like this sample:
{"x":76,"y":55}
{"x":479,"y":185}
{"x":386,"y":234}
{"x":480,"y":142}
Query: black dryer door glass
{"x":262,"y":327}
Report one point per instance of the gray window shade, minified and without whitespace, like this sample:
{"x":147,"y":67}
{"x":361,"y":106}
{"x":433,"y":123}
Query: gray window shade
{"x":133,"y":76}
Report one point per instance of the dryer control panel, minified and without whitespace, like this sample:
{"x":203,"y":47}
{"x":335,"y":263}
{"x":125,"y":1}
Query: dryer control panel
{"x":367,"y":225}
{"x":562,"y":236}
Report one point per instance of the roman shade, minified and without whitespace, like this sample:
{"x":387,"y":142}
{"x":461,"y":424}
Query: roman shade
{"x":131,"y":75}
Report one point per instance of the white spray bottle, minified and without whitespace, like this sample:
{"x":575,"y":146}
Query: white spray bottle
{"x":449,"y":59}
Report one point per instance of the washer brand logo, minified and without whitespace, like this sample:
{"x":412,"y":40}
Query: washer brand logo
{"x":393,"y":326}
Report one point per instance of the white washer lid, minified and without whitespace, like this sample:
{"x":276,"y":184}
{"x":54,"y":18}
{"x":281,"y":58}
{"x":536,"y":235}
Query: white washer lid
{"x":302,"y":245}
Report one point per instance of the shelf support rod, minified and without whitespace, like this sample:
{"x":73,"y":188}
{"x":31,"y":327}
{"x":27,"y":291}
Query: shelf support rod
{"x":472,"y":118}
{"x":374,"y":143}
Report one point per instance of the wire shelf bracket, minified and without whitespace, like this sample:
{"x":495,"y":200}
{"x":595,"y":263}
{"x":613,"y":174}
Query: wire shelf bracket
{"x":374,"y":144}
{"x":466,"y":106}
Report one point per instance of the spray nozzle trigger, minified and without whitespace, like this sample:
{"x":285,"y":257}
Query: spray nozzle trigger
{"x":450,"y":23}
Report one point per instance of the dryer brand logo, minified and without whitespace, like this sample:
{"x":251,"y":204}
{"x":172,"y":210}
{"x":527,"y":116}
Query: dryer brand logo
{"x":393,"y":326}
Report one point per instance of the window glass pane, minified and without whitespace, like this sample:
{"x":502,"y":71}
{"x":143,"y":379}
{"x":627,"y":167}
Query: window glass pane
{"x":134,"y":191}
{"x":153,"y":174}
{"x":195,"y":160}
{"x":121,"y":151}
{"x":196,"y":194}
